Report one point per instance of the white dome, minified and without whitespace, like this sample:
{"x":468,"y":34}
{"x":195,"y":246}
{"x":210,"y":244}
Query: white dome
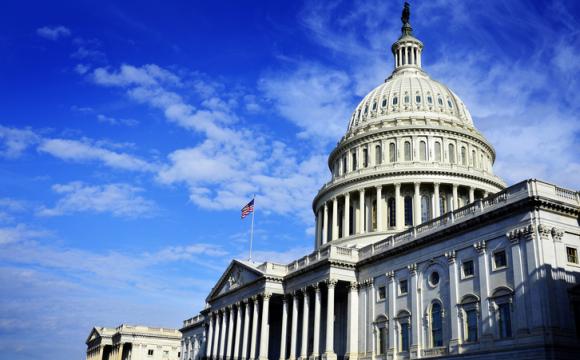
{"x":409,"y":93}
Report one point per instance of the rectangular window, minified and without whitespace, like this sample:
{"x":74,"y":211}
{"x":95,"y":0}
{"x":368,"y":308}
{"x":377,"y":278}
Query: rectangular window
{"x":471,"y":325}
{"x":150,"y":352}
{"x":354,"y":164}
{"x":505,"y":323}
{"x":405,"y":337}
{"x":467,"y":268}
{"x":382,"y":293}
{"x":499,"y":259}
{"x":365,"y":157}
{"x":403,"y":287}
{"x":572,"y":254}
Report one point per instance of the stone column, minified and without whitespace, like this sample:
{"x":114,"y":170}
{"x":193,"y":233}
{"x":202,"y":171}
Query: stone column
{"x":399,"y":213}
{"x":352,"y":323}
{"x":334,"y":218}
{"x":216,"y":337}
{"x":437,"y":202}
{"x":453,"y":292}
{"x":294,"y":327}
{"x":246,"y":330}
{"x":346,"y":226}
{"x":229,"y":343}
{"x":238,"y":330}
{"x":486,"y":334}
{"x":304,"y":350}
{"x":209,"y":337}
{"x":455,"y":201}
{"x":379,"y":208}
{"x":417,"y":204}
{"x":471,"y":194}
{"x":223,"y":335}
{"x":361,"y":206}
{"x":392,"y":288}
{"x":284,"y":327}
{"x":520,"y":287}
{"x":254,"y":340}
{"x":325,"y":225}
{"x":316,"y":340}
{"x":318,"y":237}
{"x":265,"y":332}
{"x":416,"y":313}
{"x":329,"y":353}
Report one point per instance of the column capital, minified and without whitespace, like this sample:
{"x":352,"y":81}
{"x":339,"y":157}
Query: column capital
{"x":390,"y":276}
{"x":450,"y":255}
{"x":437,"y":184}
{"x":266,"y":295}
{"x":455,"y":186}
{"x":412,"y":269}
{"x":316,"y":287}
{"x":331,"y":283}
{"x":379,"y":187}
{"x":347,"y":195}
{"x":255,"y":299}
{"x":397,"y":184}
{"x":480,"y":246}
{"x":245,"y":301}
{"x":237,"y":304}
{"x":557,"y":234}
{"x":417,"y":183}
{"x":353,"y":286}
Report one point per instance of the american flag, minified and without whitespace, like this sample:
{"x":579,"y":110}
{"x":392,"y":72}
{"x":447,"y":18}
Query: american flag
{"x":249,"y":208}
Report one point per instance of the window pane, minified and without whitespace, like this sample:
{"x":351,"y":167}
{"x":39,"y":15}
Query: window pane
{"x":436,"y":325}
{"x":505,"y":325}
{"x":471,"y":325}
{"x":378,"y":155}
{"x":407,"y":151}
{"x":452,"y":153}
{"x":423,"y":150}
{"x":405,"y":337}
{"x":392,"y":153}
{"x":392,"y":212}
{"x":408,"y":211}
{"x":425,"y":209}
{"x":437,"y":151}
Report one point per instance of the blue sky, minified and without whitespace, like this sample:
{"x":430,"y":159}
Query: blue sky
{"x":131,"y":134}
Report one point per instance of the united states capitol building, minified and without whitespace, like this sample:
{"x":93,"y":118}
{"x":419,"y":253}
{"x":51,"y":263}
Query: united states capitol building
{"x":420,"y":250}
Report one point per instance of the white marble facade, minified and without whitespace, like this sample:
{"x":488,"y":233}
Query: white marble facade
{"x":420,"y":250}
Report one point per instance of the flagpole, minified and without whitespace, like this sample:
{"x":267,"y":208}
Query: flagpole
{"x":252,"y":227}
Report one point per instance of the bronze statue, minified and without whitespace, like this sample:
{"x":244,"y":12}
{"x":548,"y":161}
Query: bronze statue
{"x":406,"y":13}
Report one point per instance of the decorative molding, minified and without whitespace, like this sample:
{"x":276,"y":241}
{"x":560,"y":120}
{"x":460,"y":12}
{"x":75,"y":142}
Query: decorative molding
{"x":390,"y":276}
{"x":544,"y":232}
{"x":451,"y":256}
{"x":526,"y":232}
{"x":331,"y":283}
{"x":353,"y":286}
{"x":557,"y":234}
{"x":267,"y":295}
{"x":412,"y":269}
{"x":480,"y":246}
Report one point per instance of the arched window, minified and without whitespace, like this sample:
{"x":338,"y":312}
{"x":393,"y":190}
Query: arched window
{"x":450,"y":104}
{"x":392,"y":152}
{"x":463,"y":156}
{"x":395,"y":100}
{"x":408,"y":211}
{"x":425,"y":208}
{"x":440,"y":101}
{"x":407,"y":150}
{"x":451,"y":154}
{"x":354,"y":164}
{"x":384,"y":103}
{"x":502,"y":299}
{"x":344,"y":164}
{"x":378,"y":155}
{"x":429,"y":99}
{"x":438,"y":151}
{"x":422,"y":150}
{"x":404,"y":331}
{"x":436,"y":325}
{"x":366,"y":109}
{"x":473,"y":155}
{"x":382,"y":326}
{"x":365,"y":157}
{"x":407,"y":99}
{"x":470,"y":307}
{"x":392,"y":212}
{"x":418,"y":99}
{"x":374,"y":106}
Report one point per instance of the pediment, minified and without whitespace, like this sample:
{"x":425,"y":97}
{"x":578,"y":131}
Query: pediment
{"x":93,"y":335}
{"x":236,"y":275}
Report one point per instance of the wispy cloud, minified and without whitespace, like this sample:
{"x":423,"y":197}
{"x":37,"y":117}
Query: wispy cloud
{"x":121,"y":200}
{"x":13,"y":141}
{"x":87,"y":151}
{"x":53,"y":32}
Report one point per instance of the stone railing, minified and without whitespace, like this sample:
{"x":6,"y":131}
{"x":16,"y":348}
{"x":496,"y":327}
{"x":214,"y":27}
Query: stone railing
{"x":517,"y":192}
{"x":437,"y":351}
{"x":194,"y":320}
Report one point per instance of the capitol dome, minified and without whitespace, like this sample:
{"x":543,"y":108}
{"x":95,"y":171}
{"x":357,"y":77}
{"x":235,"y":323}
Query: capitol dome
{"x":411,"y":153}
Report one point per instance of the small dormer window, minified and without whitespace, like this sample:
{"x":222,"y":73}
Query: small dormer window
{"x":450,"y":104}
{"x":374,"y":105}
{"x":418,"y":99}
{"x":407,"y":99}
{"x":395,"y":100}
{"x":429,"y":98}
{"x":384,"y":103}
{"x":440,"y":101}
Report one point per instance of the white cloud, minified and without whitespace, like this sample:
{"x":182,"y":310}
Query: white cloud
{"x":121,"y":200}
{"x":129,"y":75}
{"x":115,"y":121}
{"x":53,"y":32}
{"x":316,"y":99}
{"x":19,"y":233}
{"x":13,"y":142}
{"x":84,"y":151}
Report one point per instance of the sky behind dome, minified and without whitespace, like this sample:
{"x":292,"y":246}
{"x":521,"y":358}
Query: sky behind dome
{"x":132,"y":133}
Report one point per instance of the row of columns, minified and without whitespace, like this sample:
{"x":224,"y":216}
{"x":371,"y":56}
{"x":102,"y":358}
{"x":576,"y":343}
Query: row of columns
{"x":221,"y":343}
{"x":329,"y":353}
{"x":323,"y":235}
{"x":408,"y":55}
{"x":192,"y":348}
